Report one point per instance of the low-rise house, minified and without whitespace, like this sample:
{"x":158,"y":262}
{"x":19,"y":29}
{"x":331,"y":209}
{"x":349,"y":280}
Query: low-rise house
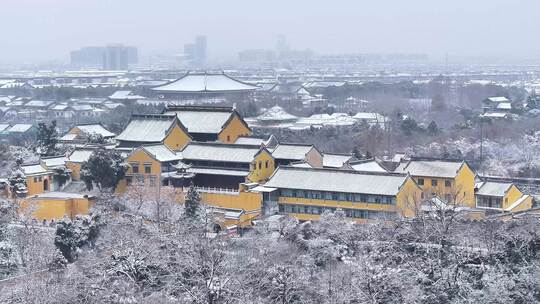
{"x":227,"y":165}
{"x":75,"y":160}
{"x":151,"y":166}
{"x":337,"y":161}
{"x":38,"y":178}
{"x":501,"y":197}
{"x":125,"y":96}
{"x":367,"y":165}
{"x":210,"y":123}
{"x":154,"y":129}
{"x":306,"y":193}
{"x":82,"y":133}
{"x":450,"y":180}
{"x":52,"y":206}
{"x":288,"y":153}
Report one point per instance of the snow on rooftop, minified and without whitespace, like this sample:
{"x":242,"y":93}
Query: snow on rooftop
{"x":80,"y":155}
{"x":291,"y":151}
{"x":95,"y":129}
{"x":220,"y":152}
{"x":369,"y":166}
{"x":204,"y":82}
{"x":276,"y":113}
{"x":332,"y":181}
{"x":151,"y":128}
{"x":335,"y":160}
{"x":493,"y":188}
{"x":435,"y":168}
{"x":162,"y":153}
{"x":201,"y":120}
{"x":19,"y":128}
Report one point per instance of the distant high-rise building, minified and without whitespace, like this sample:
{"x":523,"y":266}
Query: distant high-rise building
{"x":195,"y":53}
{"x":200,"y":49}
{"x":111,"y":57}
{"x":87,"y":56}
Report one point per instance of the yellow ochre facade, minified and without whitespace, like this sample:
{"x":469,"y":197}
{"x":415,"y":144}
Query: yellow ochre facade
{"x":262,"y":167}
{"x":55,"y":208}
{"x":458,"y":190}
{"x":233,"y":129}
{"x":177,"y":138}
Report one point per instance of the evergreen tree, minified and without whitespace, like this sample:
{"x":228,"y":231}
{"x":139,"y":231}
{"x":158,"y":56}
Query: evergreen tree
{"x":432,"y":128}
{"x":192,"y":203}
{"x":105,"y":168}
{"x":17,"y":183}
{"x":47,"y":138}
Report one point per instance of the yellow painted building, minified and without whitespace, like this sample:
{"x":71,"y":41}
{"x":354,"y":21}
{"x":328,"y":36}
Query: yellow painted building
{"x":152,"y":130}
{"x":451,"y":181}
{"x":289,"y":153}
{"x":75,"y":160}
{"x":38,"y":178}
{"x":306,"y":193}
{"x":502,"y":196}
{"x":211,"y":123}
{"x":146,"y":165}
{"x":262,"y":167}
{"x":234,"y":128}
{"x":55,"y":205}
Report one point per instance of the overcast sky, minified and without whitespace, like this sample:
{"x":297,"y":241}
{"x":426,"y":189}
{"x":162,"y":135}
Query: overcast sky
{"x":40,"y":30}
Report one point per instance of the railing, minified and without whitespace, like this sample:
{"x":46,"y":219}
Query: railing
{"x":215,"y":190}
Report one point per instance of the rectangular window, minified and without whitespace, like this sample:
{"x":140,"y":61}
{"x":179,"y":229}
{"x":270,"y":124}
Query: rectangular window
{"x":260,"y":165}
{"x":266,"y":164}
{"x":152,"y":181}
{"x":281,"y":208}
{"x":128,"y":180}
{"x":448,"y":183}
{"x":420,"y":181}
{"x":328,"y":195}
{"x":342,"y":197}
{"x":335,"y":196}
{"x":448,"y":198}
{"x":147,"y":169}
{"x":35,"y":179}
{"x":135,"y":168}
{"x":434,"y":183}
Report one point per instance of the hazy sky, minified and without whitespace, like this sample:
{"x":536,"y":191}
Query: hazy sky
{"x":40,"y":30}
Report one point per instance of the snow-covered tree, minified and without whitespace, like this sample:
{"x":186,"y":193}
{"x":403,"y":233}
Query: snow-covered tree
{"x":105,"y":168}
{"x":192,"y":205}
{"x":47,"y":138}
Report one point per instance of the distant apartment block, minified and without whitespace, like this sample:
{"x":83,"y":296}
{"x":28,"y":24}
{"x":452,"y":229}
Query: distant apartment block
{"x":196,"y":53}
{"x":110,"y":57}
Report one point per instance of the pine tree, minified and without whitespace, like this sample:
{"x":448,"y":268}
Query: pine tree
{"x":193,"y":203}
{"x":47,"y":138}
{"x":104,"y":168}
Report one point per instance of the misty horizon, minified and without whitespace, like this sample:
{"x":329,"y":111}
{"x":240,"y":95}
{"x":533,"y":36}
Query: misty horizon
{"x":47,"y":30}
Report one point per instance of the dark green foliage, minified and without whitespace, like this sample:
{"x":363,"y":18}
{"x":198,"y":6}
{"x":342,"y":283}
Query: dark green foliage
{"x":47,"y":138}
{"x":192,"y":204}
{"x":105,"y":168}
{"x":72,"y":235}
{"x":433,"y":129}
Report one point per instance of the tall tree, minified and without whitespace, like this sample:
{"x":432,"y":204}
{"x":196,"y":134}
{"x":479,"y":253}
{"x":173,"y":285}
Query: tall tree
{"x":105,"y":168}
{"x":192,"y":203}
{"x":47,"y":138}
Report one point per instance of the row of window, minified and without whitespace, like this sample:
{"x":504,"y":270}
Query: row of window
{"x":140,"y":180}
{"x":135,"y":168}
{"x":260,"y":164}
{"x":317,"y":210}
{"x":339,"y":196}
{"x":38,"y":179}
{"x":434,"y":182}
{"x":487,"y":201}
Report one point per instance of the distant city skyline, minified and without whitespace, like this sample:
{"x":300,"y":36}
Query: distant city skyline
{"x":501,"y":29}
